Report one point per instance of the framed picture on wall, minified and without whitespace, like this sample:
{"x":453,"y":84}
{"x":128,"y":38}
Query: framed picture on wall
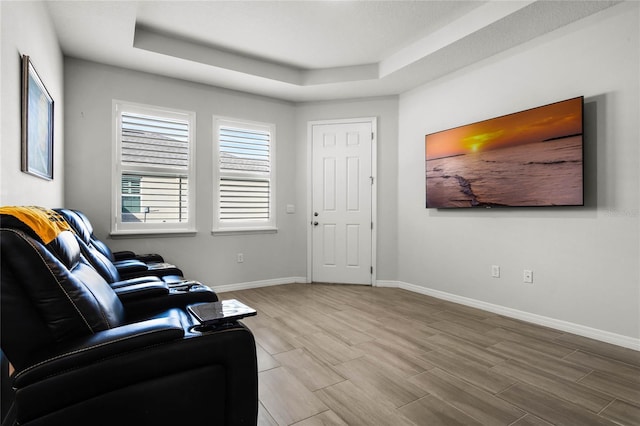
{"x":37,"y":124}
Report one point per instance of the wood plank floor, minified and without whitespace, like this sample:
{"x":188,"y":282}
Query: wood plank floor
{"x":356,"y":355}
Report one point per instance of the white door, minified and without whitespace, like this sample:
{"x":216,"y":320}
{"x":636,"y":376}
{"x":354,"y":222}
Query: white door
{"x":342,"y":188}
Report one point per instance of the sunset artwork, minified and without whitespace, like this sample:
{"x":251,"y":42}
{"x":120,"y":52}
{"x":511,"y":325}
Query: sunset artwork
{"x":529,"y":158}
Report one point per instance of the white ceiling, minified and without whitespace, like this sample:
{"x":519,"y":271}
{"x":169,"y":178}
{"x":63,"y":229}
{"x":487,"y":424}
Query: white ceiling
{"x":305,"y":50}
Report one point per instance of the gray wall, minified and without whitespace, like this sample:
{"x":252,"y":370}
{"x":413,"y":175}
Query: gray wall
{"x":209,"y":258}
{"x":268,"y":257}
{"x":27,"y":30}
{"x":585,"y":260}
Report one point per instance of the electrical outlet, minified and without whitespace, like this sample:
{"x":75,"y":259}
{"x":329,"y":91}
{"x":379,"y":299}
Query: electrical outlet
{"x":528,"y":276}
{"x":240,"y":258}
{"x":495,"y":271}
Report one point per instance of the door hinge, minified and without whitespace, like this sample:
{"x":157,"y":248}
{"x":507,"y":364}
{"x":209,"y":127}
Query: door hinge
{"x":371,"y":225}
{"x":371,"y":135}
{"x":372,"y":270}
{"x":371,"y":178}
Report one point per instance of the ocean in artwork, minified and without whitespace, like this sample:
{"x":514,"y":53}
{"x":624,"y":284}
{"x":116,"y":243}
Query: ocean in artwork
{"x":539,"y":173}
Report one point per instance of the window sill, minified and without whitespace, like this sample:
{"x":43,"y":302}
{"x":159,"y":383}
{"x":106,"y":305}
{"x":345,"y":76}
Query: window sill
{"x":244,"y":231}
{"x":153,"y":233}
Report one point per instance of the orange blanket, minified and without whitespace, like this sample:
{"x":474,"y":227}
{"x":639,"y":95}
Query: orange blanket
{"x":46,"y":223}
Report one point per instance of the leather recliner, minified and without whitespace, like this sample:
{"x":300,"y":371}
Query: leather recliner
{"x":128,"y":264}
{"x":142,"y":292}
{"x":148,"y":293}
{"x":81,"y":359}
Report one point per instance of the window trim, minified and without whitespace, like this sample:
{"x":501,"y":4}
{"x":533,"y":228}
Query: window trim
{"x":248,"y":226}
{"x":119,"y":228}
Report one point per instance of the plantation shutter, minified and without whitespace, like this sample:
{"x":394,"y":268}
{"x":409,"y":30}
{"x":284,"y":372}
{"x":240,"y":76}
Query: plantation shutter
{"x":245,"y":174}
{"x":155,"y":155}
{"x":155,"y":141}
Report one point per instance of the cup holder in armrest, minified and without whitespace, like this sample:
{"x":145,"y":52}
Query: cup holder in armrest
{"x":184,"y":286}
{"x":211,"y":328}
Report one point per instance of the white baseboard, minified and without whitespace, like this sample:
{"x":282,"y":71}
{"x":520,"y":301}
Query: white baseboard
{"x":581,"y":330}
{"x":257,"y":284}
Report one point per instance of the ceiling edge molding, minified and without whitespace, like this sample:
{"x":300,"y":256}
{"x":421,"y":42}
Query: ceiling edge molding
{"x":483,"y":32}
{"x":472,"y":22}
{"x":174,"y":46}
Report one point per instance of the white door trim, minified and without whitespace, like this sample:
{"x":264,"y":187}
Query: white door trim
{"x":374,"y":190}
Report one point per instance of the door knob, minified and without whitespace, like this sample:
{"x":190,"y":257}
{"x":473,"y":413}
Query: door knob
{"x":315,"y":223}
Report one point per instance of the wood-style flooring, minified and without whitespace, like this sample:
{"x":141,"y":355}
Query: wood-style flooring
{"x":358,"y":355}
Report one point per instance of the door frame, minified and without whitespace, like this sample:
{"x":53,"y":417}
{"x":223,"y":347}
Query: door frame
{"x":374,"y":190}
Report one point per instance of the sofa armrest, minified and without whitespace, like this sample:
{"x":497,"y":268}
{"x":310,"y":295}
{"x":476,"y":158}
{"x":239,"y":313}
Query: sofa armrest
{"x":102,"y":345}
{"x":141,"y":291}
{"x":137,"y":280}
{"x":130,"y":266}
{"x":134,"y":268}
{"x":123,"y":255}
{"x":203,"y":377}
{"x":150,"y":258}
{"x":147,"y":257}
{"x":175,"y":298}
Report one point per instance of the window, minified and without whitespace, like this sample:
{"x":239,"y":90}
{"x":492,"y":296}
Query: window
{"x":244,"y":185}
{"x":154,"y":170}
{"x":130,"y":194}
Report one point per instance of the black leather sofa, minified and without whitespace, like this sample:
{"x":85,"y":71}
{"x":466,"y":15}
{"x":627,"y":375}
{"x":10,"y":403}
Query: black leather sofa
{"x":140,"y":292}
{"x":128,"y":264}
{"x":82,"y":355}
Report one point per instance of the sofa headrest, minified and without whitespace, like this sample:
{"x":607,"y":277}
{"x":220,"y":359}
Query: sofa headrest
{"x":59,"y":239}
{"x":66,"y":248}
{"x":85,"y":220}
{"x":75,"y":220}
